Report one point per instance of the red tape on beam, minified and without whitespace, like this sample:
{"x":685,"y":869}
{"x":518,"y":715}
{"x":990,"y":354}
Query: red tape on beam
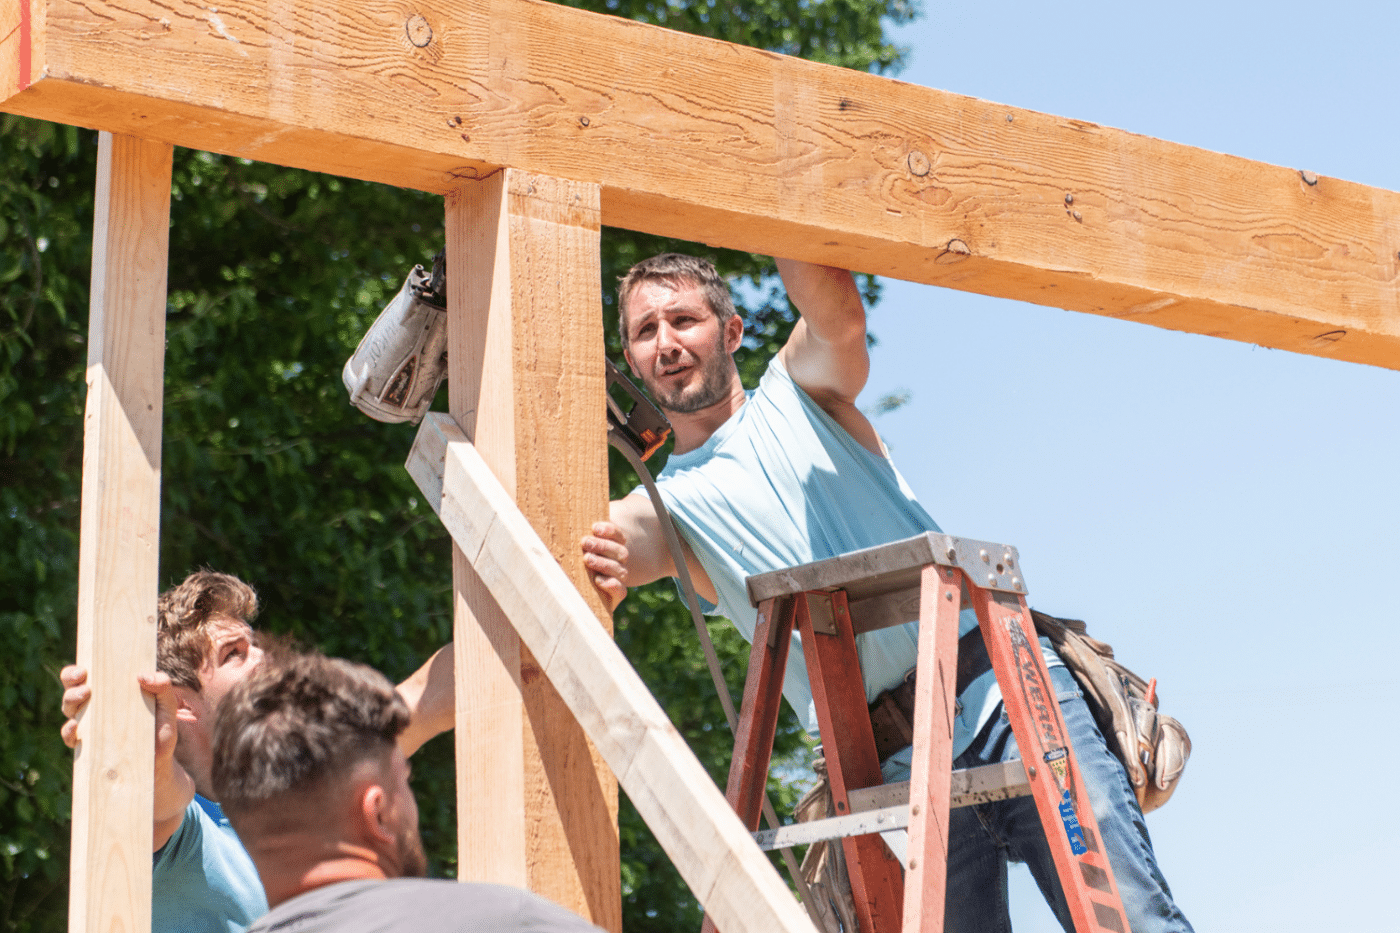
{"x":24,"y":40}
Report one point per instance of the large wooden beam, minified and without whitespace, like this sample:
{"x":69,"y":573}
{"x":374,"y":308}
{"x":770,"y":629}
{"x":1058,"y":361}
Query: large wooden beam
{"x":672,"y":791}
{"x":737,"y":147}
{"x":536,"y":806}
{"x":119,"y":537}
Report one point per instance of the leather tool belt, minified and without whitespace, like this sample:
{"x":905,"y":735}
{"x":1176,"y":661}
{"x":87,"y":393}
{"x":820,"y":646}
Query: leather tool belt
{"x":892,"y":713}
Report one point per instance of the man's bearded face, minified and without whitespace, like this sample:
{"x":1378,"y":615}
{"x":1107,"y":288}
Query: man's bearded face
{"x":676,"y":345}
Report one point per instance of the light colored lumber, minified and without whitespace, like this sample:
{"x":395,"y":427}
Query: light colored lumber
{"x":682,"y":806}
{"x":120,"y":537}
{"x":742,"y":148}
{"x":525,"y":357}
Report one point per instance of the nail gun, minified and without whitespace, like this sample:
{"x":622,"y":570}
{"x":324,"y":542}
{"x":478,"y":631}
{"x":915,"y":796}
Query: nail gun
{"x":402,"y":359}
{"x":398,"y":366}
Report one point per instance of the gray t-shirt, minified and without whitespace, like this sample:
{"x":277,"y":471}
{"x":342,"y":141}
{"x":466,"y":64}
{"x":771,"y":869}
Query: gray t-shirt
{"x":422,"y":905}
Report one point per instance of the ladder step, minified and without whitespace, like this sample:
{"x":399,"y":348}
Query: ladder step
{"x":886,"y":806}
{"x":834,"y":827}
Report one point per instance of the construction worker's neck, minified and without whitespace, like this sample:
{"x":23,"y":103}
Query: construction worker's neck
{"x":693,"y":428}
{"x":306,"y":841}
{"x":300,"y":860}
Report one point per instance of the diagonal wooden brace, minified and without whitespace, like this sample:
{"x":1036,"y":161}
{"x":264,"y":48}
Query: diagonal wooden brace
{"x":705,"y":840}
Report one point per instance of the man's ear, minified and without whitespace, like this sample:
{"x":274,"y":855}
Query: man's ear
{"x":733,"y":333}
{"x":190,"y":703}
{"x":372,"y":811}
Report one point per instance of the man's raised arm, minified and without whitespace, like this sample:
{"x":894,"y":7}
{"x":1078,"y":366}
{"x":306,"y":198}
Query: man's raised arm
{"x":827,"y":353}
{"x":430,"y":693}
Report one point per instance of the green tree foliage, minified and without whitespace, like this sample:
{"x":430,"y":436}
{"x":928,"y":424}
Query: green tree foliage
{"x":269,"y":474}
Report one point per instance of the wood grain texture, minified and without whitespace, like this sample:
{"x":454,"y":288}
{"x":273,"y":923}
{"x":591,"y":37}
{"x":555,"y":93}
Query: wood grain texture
{"x":671,"y":790}
{"x":21,"y":43}
{"x":742,"y":148}
{"x":536,"y":806}
{"x":119,"y":537}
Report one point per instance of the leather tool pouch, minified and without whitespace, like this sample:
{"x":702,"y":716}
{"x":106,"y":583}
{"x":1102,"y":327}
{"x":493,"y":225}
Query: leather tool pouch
{"x":1153,"y":747}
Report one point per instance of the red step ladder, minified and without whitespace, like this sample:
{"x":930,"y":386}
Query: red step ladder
{"x":926,"y":577}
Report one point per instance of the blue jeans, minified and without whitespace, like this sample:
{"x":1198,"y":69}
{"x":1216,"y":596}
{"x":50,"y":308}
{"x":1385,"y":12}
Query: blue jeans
{"x":984,"y":838}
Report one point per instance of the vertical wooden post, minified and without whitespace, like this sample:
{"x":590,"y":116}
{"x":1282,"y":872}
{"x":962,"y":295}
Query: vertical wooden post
{"x":119,"y":543}
{"x":537,"y":807}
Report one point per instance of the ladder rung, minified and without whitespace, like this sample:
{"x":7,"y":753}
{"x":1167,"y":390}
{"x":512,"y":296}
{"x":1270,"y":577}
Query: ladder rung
{"x":886,"y":806}
{"x":970,"y":786}
{"x":835,"y":827}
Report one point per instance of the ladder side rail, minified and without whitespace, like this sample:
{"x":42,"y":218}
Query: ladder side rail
{"x":838,"y":692}
{"x":758,"y":722}
{"x":758,"y":716}
{"x":1056,"y":783}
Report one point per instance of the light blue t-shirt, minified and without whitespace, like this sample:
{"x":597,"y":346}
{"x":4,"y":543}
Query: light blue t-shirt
{"x":203,"y":880}
{"x":780,"y":484}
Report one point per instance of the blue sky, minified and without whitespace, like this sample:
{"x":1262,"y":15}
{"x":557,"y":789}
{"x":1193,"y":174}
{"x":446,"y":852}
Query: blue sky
{"x":1225,"y":515}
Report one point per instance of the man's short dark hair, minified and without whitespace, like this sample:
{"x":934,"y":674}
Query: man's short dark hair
{"x":299,"y":720}
{"x":185,"y":614}
{"x":675,"y":269}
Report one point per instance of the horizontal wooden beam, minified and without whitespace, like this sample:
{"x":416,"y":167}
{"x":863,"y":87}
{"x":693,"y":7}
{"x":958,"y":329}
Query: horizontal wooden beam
{"x":737,"y":147}
{"x":686,"y":812}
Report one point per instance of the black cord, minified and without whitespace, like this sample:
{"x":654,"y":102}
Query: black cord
{"x":673,"y":541}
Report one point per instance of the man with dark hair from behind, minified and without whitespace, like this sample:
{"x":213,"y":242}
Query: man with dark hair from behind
{"x":308,"y":769}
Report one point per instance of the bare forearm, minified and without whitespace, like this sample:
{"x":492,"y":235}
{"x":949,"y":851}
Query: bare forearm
{"x":826,"y":354}
{"x":648,"y":558}
{"x":630,"y":550}
{"x":174,"y":789}
{"x":828,"y":300}
{"x":431,"y":696}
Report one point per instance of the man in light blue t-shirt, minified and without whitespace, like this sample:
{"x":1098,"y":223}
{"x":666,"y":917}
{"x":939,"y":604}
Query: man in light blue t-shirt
{"x":794,"y":472}
{"x":202,"y":878}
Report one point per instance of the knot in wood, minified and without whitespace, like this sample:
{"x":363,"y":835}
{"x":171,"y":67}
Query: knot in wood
{"x":918,"y":163}
{"x":955,"y":251}
{"x":418,"y":30}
